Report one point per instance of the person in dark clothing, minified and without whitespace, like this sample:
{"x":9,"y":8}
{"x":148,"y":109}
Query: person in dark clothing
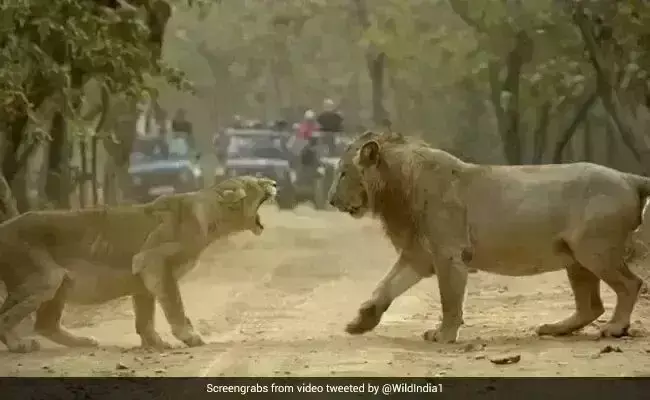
{"x":309,"y":155}
{"x":331,"y":122}
{"x":181,"y":124}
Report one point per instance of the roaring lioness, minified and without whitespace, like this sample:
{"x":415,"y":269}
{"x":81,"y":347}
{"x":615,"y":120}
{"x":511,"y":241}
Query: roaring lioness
{"x":48,"y":258}
{"x":444,"y":215}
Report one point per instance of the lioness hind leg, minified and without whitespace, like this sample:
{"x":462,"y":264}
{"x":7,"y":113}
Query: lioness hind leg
{"x":10,"y":336}
{"x":48,"y":321}
{"x":21,"y":301}
{"x":589,"y":306}
{"x":144,"y":306}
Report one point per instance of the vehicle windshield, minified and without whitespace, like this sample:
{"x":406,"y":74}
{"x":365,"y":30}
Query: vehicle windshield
{"x":179,"y":147}
{"x":255,"y":146}
{"x":174,"y":147}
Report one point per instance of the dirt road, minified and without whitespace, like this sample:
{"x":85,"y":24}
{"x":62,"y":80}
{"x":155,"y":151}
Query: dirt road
{"x":277,"y":305}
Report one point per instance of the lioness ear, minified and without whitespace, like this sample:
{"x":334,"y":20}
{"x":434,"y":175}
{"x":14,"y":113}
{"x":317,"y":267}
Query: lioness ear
{"x":369,"y":153}
{"x":231,"y":196}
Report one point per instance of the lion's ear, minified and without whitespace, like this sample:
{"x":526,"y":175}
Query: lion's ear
{"x":232,"y":196}
{"x":369,"y":153}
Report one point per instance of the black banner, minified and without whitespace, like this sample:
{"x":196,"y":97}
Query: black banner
{"x":324,"y":388}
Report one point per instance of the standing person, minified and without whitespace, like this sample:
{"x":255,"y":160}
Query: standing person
{"x":237,"y":122}
{"x":304,"y":143}
{"x":331,"y":122}
{"x":308,"y":125}
{"x":181,"y":124}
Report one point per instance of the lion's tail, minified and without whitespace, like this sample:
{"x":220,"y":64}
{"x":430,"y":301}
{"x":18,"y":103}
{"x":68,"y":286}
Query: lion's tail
{"x":642,"y":184}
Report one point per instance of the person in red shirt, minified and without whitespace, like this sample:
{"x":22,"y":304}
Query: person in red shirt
{"x":308,"y":155}
{"x":308,"y":125}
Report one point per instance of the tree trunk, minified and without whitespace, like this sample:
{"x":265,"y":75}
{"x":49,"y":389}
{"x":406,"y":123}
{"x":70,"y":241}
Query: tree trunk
{"x":612,"y":145}
{"x":83,"y":179}
{"x":541,"y":134}
{"x":93,"y":169}
{"x":631,"y":130}
{"x":57,"y":186}
{"x":376,"y":64}
{"x":587,"y":143}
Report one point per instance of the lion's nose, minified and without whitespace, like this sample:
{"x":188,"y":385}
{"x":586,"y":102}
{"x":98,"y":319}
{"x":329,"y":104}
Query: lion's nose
{"x":332,"y":202}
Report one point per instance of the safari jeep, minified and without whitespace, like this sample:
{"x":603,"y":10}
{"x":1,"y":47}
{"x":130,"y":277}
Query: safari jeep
{"x":157,"y":168}
{"x":257,"y":152}
{"x":312,"y":182}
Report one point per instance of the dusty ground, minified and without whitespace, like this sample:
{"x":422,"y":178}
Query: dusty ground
{"x":277,"y":304}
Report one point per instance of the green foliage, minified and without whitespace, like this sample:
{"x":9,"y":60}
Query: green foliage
{"x":45,"y":45}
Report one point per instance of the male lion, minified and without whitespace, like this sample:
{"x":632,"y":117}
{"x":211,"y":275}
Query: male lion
{"x":94,"y":255}
{"x":444,"y":215}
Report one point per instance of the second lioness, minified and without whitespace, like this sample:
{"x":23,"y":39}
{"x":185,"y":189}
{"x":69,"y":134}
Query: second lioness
{"x":91,"y":256}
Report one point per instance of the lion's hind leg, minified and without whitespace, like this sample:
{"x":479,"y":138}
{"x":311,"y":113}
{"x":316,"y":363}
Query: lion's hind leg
{"x":48,"y":321}
{"x":606,"y":260}
{"x":589,"y":306}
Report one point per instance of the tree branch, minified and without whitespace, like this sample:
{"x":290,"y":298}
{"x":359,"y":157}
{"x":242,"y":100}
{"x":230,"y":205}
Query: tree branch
{"x":539,"y":144}
{"x":568,"y":133}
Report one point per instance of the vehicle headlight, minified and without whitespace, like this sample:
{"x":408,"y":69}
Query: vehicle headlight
{"x":293,"y":176}
{"x":321,"y":170}
{"x":137,"y":180}
{"x":197,"y":172}
{"x":219,"y":171}
{"x":185,"y":176}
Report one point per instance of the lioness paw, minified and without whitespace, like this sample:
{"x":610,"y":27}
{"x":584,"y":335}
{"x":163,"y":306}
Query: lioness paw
{"x":194,"y":341}
{"x":23,"y":345}
{"x":614,"y":330}
{"x":440,"y":335}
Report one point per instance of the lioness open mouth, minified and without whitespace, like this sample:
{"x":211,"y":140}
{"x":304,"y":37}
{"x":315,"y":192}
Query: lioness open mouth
{"x":259,"y":227}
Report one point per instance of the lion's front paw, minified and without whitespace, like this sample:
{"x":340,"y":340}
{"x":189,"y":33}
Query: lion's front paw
{"x":441,"y":335}
{"x":614,"y":330}
{"x":23,"y":345}
{"x":367,"y":319}
{"x":194,"y":341}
